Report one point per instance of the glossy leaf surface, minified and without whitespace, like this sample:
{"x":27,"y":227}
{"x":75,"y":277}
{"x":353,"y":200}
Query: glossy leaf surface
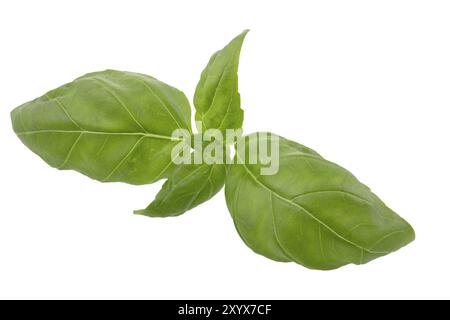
{"x":109,"y":125}
{"x":187,"y":187}
{"x":312,"y":212}
{"x":217,"y":100}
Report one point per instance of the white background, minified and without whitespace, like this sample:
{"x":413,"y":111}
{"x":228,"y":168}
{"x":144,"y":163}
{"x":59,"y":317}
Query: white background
{"x":365,"y":83}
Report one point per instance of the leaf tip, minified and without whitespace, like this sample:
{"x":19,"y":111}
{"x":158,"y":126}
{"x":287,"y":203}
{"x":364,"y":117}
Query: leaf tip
{"x":239,"y":39}
{"x":412,"y":233}
{"x":242,"y":35}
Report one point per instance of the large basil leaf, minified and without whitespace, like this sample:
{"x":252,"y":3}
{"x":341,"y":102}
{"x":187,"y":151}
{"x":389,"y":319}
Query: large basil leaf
{"x":110,"y":126}
{"x":187,"y":187}
{"x":217,"y":100}
{"x":312,"y":211}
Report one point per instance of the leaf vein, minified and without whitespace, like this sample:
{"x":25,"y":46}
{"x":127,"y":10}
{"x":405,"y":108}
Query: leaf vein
{"x":72,"y":148}
{"x":149,"y":88}
{"x":330,"y":191}
{"x":309,"y":213}
{"x":122,"y":161}
{"x":64,"y":109}
{"x":145,"y":135}
{"x":103,"y":84}
{"x":275,"y":233}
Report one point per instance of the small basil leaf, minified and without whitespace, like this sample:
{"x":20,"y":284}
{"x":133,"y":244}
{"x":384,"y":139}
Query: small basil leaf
{"x":312,"y":211}
{"x":187,"y":187}
{"x":216,"y":99}
{"x":109,"y":125}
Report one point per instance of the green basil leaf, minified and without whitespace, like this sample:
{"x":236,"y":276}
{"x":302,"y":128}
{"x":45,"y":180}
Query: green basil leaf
{"x":217,"y":100}
{"x":191,"y":184}
{"x":187,"y":187}
{"x":109,"y":125}
{"x":312,"y":211}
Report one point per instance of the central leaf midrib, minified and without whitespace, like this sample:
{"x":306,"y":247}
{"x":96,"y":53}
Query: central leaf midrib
{"x":142,"y":134}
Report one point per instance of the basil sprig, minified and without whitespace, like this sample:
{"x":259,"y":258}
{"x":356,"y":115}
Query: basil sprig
{"x":116,"y":126}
